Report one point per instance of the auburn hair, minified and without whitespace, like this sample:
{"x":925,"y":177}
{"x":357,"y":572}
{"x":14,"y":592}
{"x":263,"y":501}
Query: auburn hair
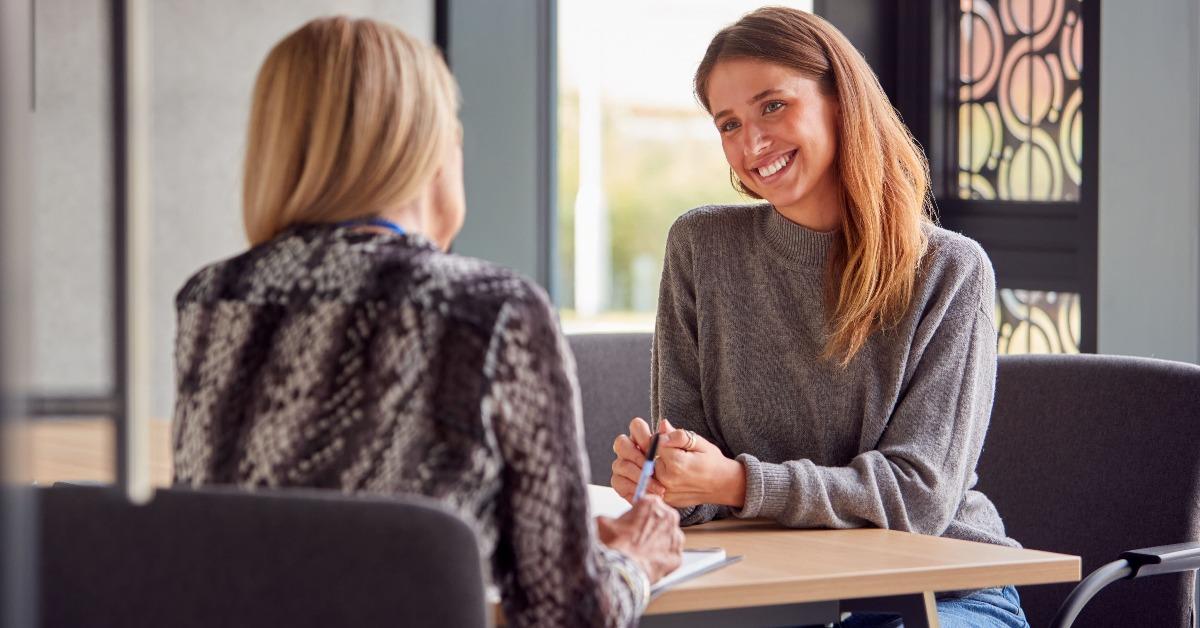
{"x":883,"y":171}
{"x":349,"y":117}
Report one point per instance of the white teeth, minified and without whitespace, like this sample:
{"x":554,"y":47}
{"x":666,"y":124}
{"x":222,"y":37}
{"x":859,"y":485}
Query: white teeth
{"x":774,"y":166}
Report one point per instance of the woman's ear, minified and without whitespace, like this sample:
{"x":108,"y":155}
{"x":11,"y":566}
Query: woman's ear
{"x":445,"y":198}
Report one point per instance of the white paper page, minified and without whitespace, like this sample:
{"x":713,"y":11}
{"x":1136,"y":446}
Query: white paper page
{"x":693,"y":561}
{"x":605,"y":502}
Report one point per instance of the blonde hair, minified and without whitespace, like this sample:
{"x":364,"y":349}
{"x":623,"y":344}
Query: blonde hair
{"x":350,"y":117}
{"x":883,"y":172}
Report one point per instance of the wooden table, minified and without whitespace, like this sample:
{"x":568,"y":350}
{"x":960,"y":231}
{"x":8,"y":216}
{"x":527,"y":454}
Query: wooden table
{"x":786,"y":577}
{"x":790,"y":577}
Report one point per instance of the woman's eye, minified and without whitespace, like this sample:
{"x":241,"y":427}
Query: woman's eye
{"x":773,"y":106}
{"x":729,"y":126}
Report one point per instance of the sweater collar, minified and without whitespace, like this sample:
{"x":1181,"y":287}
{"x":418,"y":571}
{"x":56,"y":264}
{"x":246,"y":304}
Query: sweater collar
{"x":797,"y":244}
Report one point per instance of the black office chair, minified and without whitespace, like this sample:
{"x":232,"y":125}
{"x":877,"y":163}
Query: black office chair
{"x":1086,"y":455}
{"x":614,"y":386}
{"x":1095,"y":456}
{"x":222,"y":557}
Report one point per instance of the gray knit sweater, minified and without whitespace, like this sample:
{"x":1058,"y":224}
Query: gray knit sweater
{"x":890,"y":441}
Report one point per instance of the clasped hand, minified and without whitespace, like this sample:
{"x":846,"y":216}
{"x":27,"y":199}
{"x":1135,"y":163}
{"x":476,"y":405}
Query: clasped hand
{"x":688,"y":470}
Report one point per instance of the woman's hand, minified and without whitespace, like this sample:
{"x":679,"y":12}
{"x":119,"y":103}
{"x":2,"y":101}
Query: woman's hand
{"x":649,"y":534}
{"x":688,"y":470}
{"x":694,"y":471}
{"x":631,"y":455}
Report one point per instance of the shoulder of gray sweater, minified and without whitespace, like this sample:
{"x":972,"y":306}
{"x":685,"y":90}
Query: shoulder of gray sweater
{"x":696,"y":224}
{"x":954,"y":262}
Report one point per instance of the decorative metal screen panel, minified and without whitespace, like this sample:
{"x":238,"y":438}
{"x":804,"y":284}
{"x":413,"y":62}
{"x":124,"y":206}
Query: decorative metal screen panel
{"x":1019,"y":101}
{"x":1033,"y":321}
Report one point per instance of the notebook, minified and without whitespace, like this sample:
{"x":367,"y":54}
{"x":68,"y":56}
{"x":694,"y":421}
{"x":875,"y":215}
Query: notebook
{"x":605,"y":502}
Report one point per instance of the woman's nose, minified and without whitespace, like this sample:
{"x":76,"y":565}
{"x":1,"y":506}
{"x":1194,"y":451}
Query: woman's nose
{"x":757,"y":141}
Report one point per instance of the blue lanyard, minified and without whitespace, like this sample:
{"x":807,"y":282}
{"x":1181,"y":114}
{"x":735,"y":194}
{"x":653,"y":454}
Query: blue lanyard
{"x":374,"y":221}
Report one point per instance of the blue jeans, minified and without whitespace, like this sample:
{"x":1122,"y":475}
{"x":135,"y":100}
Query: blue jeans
{"x":989,"y":608}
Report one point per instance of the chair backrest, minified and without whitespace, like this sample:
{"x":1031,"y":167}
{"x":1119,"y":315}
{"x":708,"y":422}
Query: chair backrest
{"x":222,"y":557}
{"x":614,"y":383}
{"x":1095,"y":455}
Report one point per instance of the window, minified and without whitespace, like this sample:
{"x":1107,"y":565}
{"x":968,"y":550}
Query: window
{"x":1020,"y":183}
{"x":635,"y":149}
{"x":1020,"y":96}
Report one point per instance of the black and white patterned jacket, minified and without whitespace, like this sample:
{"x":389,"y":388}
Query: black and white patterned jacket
{"x":375,"y":363}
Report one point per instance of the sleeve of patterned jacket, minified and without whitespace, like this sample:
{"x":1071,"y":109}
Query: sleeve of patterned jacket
{"x":549,"y":565}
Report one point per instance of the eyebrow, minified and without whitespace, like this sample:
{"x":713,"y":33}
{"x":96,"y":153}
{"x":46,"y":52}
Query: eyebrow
{"x":757,"y":97}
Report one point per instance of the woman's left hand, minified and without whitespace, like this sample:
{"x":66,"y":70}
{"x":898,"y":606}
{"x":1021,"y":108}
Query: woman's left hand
{"x":694,"y":471}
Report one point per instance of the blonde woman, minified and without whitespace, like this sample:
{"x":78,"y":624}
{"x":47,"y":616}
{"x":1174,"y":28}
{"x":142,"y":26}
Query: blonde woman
{"x":825,"y":358}
{"x":347,"y":350}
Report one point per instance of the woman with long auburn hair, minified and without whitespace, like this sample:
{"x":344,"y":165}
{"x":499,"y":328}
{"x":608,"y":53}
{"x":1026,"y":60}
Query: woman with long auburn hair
{"x":825,"y":358}
{"x":347,"y":350}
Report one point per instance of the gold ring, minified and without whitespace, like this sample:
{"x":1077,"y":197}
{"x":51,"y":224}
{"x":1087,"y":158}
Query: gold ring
{"x":691,"y":440}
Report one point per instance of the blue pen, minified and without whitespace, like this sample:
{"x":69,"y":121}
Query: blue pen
{"x":647,"y":469}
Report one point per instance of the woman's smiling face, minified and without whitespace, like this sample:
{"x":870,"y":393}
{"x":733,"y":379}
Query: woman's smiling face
{"x":778,"y":131}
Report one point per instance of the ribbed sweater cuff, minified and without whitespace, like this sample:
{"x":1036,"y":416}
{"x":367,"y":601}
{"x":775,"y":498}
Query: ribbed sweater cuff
{"x":686,"y":514}
{"x":767,"y":488}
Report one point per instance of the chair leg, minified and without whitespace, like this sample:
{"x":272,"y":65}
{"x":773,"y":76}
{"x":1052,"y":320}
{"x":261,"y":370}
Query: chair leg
{"x":1088,"y":588}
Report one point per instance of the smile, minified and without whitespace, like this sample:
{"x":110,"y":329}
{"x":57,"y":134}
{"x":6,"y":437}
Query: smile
{"x":770,"y":170}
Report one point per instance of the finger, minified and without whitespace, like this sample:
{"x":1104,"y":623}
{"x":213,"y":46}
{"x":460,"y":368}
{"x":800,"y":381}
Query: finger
{"x":639,"y":431}
{"x":627,"y":470}
{"x":664,"y":524}
{"x":639,"y":515}
{"x":631,"y":473}
{"x":624,"y":487}
{"x":677,"y":439}
{"x":673,"y":538}
{"x":649,"y":508}
{"x":662,"y":467}
{"x":648,"y":504}
{"x":664,"y":427}
{"x":676,"y":455}
{"x":670,"y":464}
{"x":628,"y":450}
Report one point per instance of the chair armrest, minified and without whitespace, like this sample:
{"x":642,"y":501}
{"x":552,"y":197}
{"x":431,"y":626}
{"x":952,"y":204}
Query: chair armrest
{"x":1150,"y":561}
{"x":1163,"y":559}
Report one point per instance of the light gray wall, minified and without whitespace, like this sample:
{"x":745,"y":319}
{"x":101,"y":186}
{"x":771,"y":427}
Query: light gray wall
{"x":72,"y":200}
{"x":494,"y":52}
{"x":1150,"y":179}
{"x":204,"y":56}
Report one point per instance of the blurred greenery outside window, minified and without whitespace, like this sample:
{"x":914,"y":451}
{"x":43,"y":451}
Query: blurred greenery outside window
{"x":635,"y":149}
